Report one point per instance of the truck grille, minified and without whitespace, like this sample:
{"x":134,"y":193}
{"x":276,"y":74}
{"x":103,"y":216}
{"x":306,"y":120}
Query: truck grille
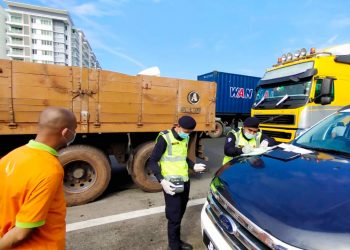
{"x":276,"y":119}
{"x":277,"y":134}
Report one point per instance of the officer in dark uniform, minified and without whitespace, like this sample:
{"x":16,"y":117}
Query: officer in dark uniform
{"x":169,"y":163}
{"x":244,"y":140}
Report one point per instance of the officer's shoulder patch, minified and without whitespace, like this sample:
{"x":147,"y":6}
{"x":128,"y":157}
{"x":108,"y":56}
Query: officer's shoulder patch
{"x":237,"y":129}
{"x":164,"y":132}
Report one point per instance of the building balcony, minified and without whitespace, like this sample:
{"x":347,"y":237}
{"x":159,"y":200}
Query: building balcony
{"x":16,"y":55}
{"x":15,"y":33}
{"x":59,"y":50}
{"x":15,"y":23}
{"x":16,"y":44}
{"x":58,"y":30}
{"x":60,"y":59}
{"x":58,"y":40}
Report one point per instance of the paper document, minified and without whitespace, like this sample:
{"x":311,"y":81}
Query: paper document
{"x":295,"y":149}
{"x":257,"y":151}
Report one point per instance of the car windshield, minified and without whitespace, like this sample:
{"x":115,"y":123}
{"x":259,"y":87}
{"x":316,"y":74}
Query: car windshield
{"x":331,"y":134}
{"x":271,"y":94}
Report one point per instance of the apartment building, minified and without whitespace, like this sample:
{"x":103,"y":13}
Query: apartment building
{"x":2,"y":32}
{"x":43,"y":35}
{"x":84,"y":53}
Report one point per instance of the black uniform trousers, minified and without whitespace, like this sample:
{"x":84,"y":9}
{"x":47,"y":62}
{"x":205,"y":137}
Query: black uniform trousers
{"x":175,"y":207}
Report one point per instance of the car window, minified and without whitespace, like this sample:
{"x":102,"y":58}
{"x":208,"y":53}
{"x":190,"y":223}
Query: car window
{"x":333,"y":133}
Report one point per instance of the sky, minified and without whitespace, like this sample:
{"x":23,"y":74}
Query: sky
{"x":187,"y":38}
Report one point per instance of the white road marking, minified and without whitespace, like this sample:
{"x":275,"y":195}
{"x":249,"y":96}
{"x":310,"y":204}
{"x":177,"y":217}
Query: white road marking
{"x":124,"y":216}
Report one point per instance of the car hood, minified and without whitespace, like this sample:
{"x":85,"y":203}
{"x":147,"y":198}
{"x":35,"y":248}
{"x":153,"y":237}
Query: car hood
{"x":304,"y":202}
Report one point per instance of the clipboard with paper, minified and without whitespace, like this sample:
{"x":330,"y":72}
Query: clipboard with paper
{"x":281,"y":154}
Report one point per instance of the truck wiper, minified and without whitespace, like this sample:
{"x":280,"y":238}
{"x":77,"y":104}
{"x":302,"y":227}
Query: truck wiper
{"x":283,"y":99}
{"x":260,"y":102}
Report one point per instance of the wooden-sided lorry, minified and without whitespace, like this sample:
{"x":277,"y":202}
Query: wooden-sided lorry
{"x":118,"y":115}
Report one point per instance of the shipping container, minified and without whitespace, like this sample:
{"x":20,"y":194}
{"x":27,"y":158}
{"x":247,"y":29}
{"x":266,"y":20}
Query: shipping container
{"x":234,"y":98}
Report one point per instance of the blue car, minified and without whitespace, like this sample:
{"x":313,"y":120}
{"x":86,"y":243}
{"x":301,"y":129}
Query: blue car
{"x":293,"y":196}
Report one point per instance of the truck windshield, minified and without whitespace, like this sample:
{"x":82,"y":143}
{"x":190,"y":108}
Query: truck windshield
{"x":332,"y":134}
{"x":294,"y":94}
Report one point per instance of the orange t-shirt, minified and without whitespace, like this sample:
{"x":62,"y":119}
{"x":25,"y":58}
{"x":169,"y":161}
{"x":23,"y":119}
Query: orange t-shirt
{"x":32,"y":196}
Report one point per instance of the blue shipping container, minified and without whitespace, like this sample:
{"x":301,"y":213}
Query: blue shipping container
{"x":234,"y":93}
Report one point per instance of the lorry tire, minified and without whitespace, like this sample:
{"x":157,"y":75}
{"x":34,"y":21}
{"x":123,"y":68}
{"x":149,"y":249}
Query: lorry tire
{"x":141,"y":174}
{"x":219,"y":129}
{"x":87,"y":173}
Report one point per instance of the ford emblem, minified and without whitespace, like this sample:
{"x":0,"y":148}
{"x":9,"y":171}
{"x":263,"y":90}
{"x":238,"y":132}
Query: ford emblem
{"x":227,"y":224}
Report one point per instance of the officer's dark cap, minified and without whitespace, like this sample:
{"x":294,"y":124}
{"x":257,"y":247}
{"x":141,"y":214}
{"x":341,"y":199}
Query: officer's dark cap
{"x":251,"y":122}
{"x":187,"y":122}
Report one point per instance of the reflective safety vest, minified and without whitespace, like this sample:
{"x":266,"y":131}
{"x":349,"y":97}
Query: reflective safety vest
{"x":241,"y":141}
{"x":173,"y":161}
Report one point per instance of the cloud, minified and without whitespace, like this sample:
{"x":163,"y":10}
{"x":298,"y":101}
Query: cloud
{"x":332,"y":39}
{"x":98,"y":9}
{"x":220,"y":45}
{"x":196,"y":44}
{"x":309,"y":41}
{"x":341,"y":23}
{"x":248,"y":72}
{"x":326,"y":44}
{"x":100,"y":45}
{"x":286,"y":50}
{"x":253,"y":36}
{"x":292,"y":40}
{"x":87,"y":9}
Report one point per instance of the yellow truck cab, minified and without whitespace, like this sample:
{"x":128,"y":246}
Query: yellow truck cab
{"x":301,"y":89}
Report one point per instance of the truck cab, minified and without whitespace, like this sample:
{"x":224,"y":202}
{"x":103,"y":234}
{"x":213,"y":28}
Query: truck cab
{"x":293,"y":196}
{"x":302,"y":89}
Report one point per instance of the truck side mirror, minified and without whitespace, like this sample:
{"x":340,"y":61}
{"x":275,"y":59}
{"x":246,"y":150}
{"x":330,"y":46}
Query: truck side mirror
{"x":326,"y":91}
{"x":326,"y":100}
{"x":326,"y":87}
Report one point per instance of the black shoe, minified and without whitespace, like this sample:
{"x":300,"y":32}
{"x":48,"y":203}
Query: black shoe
{"x":186,"y":246}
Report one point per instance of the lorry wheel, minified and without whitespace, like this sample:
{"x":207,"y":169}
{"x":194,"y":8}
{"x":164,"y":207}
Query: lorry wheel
{"x":141,"y":173}
{"x":87,"y":173}
{"x":219,"y":128}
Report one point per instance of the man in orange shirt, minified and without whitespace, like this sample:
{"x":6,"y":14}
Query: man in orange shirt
{"x":32,"y":205}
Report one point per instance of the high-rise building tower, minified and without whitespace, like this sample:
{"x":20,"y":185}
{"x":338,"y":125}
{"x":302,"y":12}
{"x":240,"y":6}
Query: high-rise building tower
{"x":43,"y":35}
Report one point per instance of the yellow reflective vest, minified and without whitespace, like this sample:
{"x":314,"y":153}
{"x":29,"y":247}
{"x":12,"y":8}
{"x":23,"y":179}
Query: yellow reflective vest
{"x":173,"y":161}
{"x":241,"y":141}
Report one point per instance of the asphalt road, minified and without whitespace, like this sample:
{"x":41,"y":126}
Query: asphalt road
{"x":125,"y":217}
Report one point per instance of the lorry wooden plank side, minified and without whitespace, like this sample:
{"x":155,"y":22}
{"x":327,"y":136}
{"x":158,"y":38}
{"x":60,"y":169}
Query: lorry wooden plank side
{"x":117,"y":114}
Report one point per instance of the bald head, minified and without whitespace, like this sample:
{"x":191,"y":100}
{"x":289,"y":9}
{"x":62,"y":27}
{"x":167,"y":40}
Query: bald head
{"x":56,"y":118}
{"x":56,"y":127}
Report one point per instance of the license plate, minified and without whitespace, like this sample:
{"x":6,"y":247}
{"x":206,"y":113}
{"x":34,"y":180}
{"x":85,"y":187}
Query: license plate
{"x":208,"y":244}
